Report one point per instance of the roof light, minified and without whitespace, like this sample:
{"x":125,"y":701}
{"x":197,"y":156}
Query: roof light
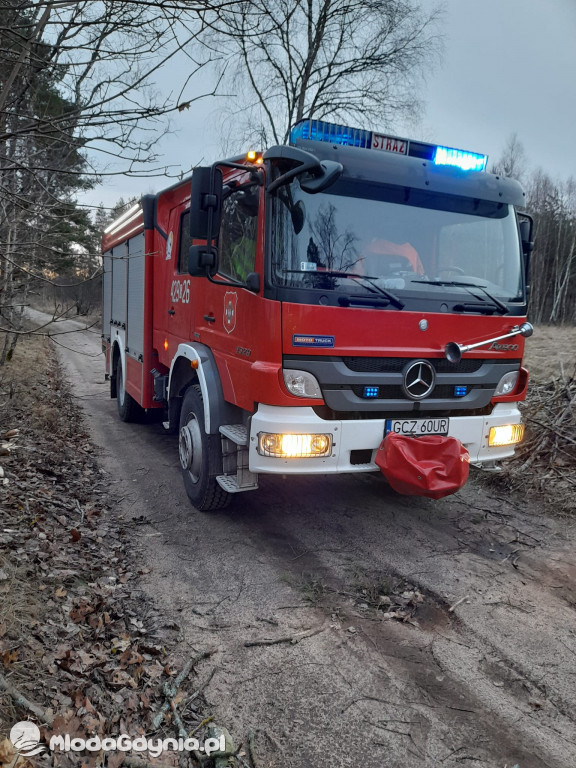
{"x":467,"y":161}
{"x":254,"y":157}
{"x":318,"y":130}
{"x":332,"y":133}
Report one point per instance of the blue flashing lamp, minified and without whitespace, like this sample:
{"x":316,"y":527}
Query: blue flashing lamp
{"x":467,"y":161}
{"x":460,"y":391}
{"x":370,"y":391}
{"x":318,"y":130}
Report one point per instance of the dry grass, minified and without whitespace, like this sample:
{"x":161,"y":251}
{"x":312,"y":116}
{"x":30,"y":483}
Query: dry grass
{"x":551,"y":352}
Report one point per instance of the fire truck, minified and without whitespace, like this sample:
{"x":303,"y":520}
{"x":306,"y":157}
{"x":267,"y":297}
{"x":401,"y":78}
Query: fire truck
{"x":348,"y":302}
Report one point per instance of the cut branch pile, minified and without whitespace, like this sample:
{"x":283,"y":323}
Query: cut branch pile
{"x":546,"y":460}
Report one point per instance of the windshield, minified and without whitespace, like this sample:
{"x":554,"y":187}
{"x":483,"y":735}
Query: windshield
{"x":399,"y":242}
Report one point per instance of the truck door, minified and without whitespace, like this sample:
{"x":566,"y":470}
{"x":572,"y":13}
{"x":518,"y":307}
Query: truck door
{"x":173,"y":318}
{"x":228,"y":317}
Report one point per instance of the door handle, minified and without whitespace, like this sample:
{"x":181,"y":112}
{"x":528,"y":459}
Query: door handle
{"x":210,"y":318}
{"x":171,"y":311}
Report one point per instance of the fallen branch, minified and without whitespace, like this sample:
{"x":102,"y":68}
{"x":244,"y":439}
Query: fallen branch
{"x":171,"y":687}
{"x":21,"y":701}
{"x":251,"y":749}
{"x":285,"y":639}
{"x":458,"y":602}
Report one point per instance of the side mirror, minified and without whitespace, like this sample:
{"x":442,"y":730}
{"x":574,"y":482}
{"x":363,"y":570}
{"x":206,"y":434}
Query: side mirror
{"x":253,"y":282}
{"x":205,"y":203}
{"x":526,"y":229}
{"x":526,"y":236}
{"x":315,"y":175}
{"x":201,"y":260}
{"x":319,"y":181}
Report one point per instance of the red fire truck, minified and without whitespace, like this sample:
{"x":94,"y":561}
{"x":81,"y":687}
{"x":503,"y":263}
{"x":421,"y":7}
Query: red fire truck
{"x":346,"y":303}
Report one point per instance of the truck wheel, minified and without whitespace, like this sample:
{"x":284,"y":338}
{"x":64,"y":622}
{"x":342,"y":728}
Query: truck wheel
{"x":128,"y":408}
{"x":200,"y":455}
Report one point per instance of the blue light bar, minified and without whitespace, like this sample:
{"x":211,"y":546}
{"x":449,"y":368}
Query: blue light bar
{"x":370,"y":391}
{"x":460,"y":391}
{"x":345,"y":135}
{"x":467,"y":161}
{"x":318,"y":130}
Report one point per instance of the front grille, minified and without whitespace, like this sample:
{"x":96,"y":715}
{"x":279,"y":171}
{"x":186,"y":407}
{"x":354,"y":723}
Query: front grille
{"x":397,"y":364}
{"x":395,"y":392}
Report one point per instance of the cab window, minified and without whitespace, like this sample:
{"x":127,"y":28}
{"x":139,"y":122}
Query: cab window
{"x":238,"y":233}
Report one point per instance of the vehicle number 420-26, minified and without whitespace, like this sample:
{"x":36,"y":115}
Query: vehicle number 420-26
{"x":180,"y":291}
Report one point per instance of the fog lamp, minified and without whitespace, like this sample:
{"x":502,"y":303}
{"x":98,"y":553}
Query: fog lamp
{"x":508,"y":434}
{"x":284,"y":446}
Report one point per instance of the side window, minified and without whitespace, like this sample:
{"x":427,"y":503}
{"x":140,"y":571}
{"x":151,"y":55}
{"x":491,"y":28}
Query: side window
{"x":184,"y":243}
{"x":238,"y":232}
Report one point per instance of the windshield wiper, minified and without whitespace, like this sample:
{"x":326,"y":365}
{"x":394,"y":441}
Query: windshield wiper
{"x":372,"y":286}
{"x":498,"y":305}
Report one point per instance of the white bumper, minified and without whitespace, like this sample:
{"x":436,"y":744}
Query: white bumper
{"x":347,"y":436}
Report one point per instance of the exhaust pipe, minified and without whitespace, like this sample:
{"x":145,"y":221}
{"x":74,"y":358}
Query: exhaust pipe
{"x":453,"y":351}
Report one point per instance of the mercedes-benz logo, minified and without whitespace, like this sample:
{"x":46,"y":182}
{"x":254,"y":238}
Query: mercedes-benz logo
{"x":419,"y":379}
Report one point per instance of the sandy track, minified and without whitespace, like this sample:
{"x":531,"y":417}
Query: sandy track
{"x":490,"y":683}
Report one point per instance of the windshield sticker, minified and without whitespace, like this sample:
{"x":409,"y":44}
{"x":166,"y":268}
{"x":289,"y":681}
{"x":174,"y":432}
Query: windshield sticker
{"x":301,"y":340}
{"x":308,"y":266}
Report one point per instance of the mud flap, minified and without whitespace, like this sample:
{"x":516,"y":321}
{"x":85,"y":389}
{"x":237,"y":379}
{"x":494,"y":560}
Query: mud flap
{"x":430,"y":465}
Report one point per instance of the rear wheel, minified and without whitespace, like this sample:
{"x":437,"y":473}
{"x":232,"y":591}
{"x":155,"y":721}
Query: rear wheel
{"x":128,"y":408}
{"x":200,"y":455}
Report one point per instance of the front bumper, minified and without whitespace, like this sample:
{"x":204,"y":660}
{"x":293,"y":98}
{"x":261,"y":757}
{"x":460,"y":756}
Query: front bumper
{"x":363,"y":435}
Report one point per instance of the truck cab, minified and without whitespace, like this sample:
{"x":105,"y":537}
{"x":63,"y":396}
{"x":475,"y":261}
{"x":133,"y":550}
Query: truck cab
{"x":324,"y":304}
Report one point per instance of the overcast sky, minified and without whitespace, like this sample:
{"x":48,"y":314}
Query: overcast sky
{"x":509,"y":66}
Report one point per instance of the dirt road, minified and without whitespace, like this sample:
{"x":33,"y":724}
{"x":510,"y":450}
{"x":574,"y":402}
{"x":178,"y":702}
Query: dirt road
{"x":489,"y":683}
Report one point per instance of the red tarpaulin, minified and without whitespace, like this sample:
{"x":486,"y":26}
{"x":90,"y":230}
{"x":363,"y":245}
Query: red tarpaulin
{"x":431,"y":465}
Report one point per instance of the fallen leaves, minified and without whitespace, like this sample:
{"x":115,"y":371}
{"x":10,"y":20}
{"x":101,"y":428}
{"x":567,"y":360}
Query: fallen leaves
{"x":398,"y":601}
{"x":9,"y":757}
{"x":76,"y":634}
{"x":8,"y":658}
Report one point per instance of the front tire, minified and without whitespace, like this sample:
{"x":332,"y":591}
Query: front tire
{"x":200,"y":455}
{"x":128,"y":408}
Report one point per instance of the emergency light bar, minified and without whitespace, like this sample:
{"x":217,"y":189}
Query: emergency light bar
{"x":318,"y":130}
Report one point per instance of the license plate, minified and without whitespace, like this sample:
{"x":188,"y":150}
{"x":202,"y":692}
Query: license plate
{"x":418,"y":426}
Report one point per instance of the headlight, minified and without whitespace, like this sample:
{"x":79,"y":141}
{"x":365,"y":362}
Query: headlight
{"x":294,"y":446}
{"x":507,"y":383}
{"x":509,"y":434}
{"x":302,"y":384}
